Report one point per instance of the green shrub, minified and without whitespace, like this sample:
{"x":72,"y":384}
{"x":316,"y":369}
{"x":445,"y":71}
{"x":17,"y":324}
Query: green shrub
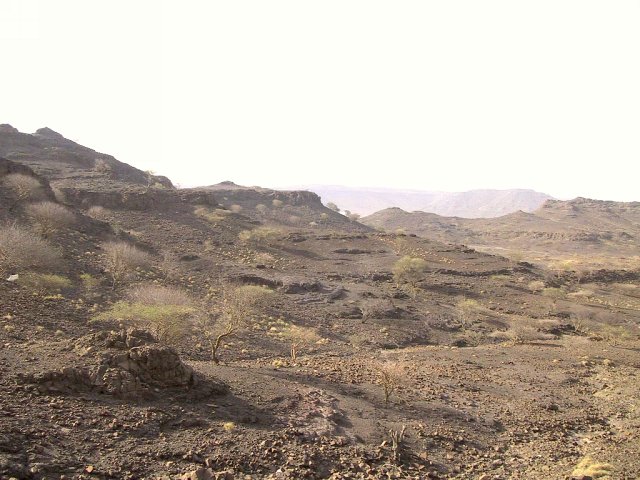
{"x":44,"y":282}
{"x":165,"y":311}
{"x":211,"y":215}
{"x":88,"y":281}
{"x":409,"y":270}
{"x":554,"y":292}
{"x":260,"y":235}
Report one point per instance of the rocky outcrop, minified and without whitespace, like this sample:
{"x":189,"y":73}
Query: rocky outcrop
{"x":132,"y":366}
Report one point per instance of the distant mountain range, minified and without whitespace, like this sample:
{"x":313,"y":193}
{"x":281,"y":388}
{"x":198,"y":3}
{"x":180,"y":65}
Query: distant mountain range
{"x":471,"y":204}
{"x":578,"y":231}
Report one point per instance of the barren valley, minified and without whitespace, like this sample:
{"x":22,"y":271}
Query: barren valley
{"x":228,"y":332}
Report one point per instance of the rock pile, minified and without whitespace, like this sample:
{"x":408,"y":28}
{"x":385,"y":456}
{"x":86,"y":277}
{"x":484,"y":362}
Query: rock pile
{"x":133,"y":365}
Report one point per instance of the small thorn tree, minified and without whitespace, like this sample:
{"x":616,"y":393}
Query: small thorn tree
{"x":233,"y":313}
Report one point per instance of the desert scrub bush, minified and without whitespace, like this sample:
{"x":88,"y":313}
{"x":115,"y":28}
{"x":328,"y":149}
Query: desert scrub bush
{"x":397,"y":443}
{"x":264,"y":258}
{"x":121,"y":260}
{"x":101,"y":166}
{"x":391,"y":376}
{"x":213,"y":215}
{"x":536,"y":286}
{"x":167,"y":312}
{"x":615,"y":334}
{"x":352,"y":215}
{"x":235,"y":208}
{"x":261,"y":208}
{"x":468,"y":309}
{"x":526,"y":330}
{"x":20,"y":249}
{"x":410,"y":270}
{"x":98,"y":212}
{"x":516,"y":256}
{"x":259,"y":236}
{"x":50,"y":217}
{"x":89,"y":282}
{"x":23,"y":187}
{"x":299,"y":338}
{"x":170,"y":265}
{"x":277,"y":203}
{"x":379,"y":308}
{"x":233,"y":312}
{"x":59,"y":195}
{"x":554,"y":292}
{"x":44,"y":282}
{"x":587,"y":467}
{"x":333,"y":206}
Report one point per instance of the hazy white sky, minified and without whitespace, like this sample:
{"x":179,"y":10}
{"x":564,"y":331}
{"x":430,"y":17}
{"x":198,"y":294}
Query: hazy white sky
{"x":433,"y":95}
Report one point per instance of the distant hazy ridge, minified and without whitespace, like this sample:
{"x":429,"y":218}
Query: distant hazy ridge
{"x":471,"y":204}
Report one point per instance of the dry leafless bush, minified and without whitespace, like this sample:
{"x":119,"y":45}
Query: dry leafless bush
{"x":260,"y":235}
{"x":381,"y":308}
{"x":101,"y":166}
{"x":122,"y":259}
{"x":391,"y":375}
{"x":213,"y":215}
{"x":24,"y":187}
{"x":160,"y":295}
{"x":536,"y":286}
{"x":60,"y":196}
{"x":468,"y":310}
{"x":22,"y":250}
{"x":98,"y":212}
{"x":264,"y":258}
{"x":232,"y":313}
{"x":397,"y":443}
{"x":526,"y":330}
{"x":170,"y":266}
{"x":50,"y":217}
{"x":300,"y":337}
